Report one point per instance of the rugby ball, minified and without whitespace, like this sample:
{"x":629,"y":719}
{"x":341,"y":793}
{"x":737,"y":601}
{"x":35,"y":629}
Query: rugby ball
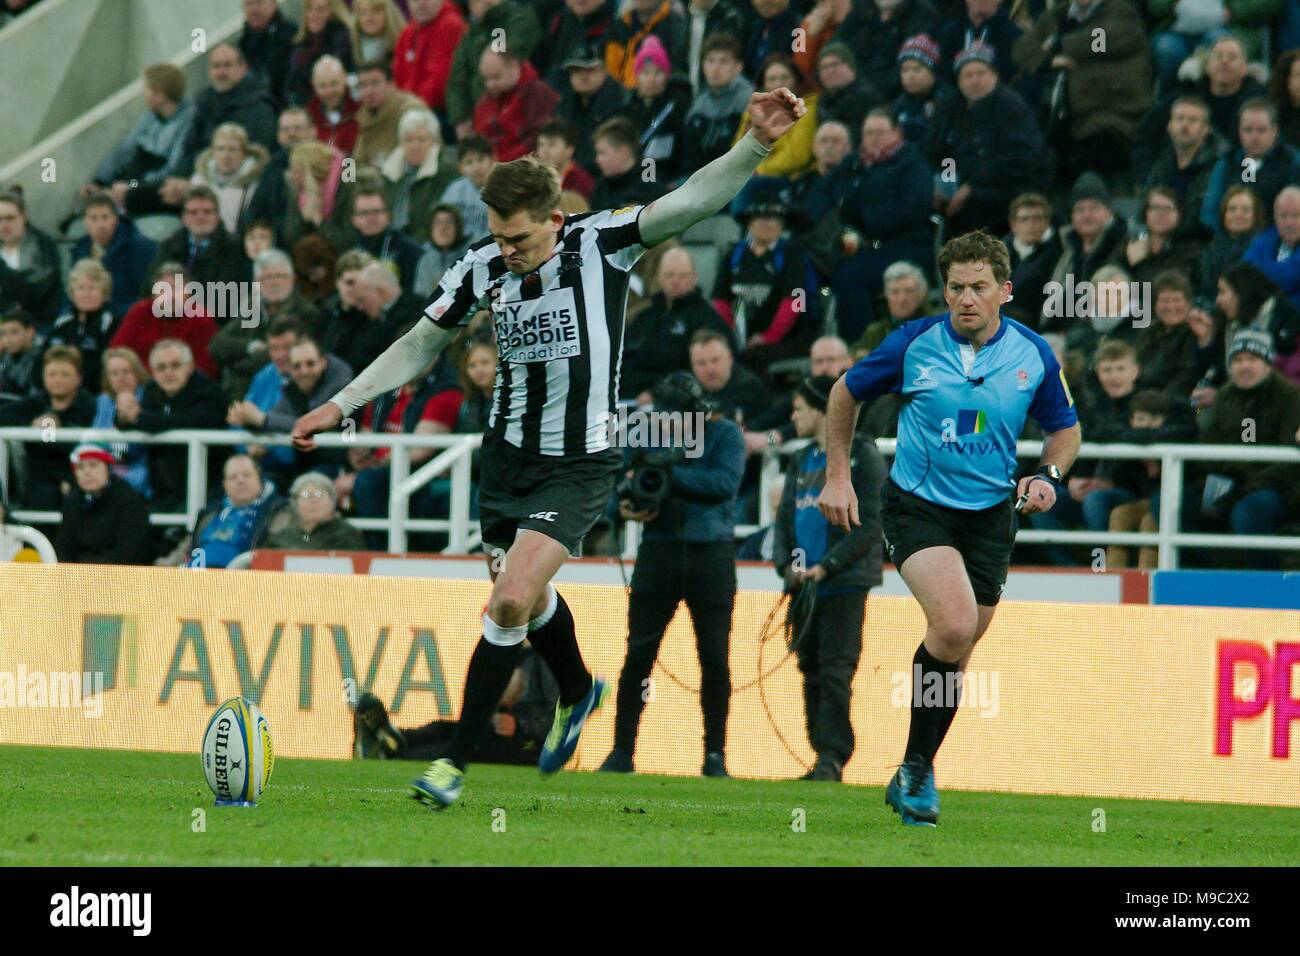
{"x":237,"y":753}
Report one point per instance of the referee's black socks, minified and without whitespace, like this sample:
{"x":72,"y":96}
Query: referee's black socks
{"x":554,"y":636}
{"x":935,"y":694}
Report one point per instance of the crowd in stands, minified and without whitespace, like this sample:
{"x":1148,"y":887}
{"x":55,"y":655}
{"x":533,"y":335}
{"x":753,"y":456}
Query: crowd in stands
{"x":1140,"y":160}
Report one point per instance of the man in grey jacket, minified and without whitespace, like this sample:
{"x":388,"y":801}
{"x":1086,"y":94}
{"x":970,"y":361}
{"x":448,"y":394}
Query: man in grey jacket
{"x":314,"y":377}
{"x":829,"y":573}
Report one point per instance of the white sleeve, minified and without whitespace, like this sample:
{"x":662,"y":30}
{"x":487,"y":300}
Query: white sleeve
{"x":709,"y":189}
{"x":399,"y":363}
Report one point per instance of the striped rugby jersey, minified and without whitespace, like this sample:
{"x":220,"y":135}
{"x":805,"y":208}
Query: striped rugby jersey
{"x":559,"y":330}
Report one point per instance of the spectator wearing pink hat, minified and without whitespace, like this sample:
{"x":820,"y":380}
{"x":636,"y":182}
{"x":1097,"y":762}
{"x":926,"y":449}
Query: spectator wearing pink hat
{"x":643,"y":19}
{"x":105,"y":521}
{"x":658,"y":106}
{"x":982,"y":20}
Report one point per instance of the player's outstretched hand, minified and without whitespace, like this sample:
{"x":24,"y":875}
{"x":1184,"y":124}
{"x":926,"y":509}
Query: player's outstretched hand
{"x":320,"y":419}
{"x":1038,"y":495}
{"x":839,"y":504}
{"x":772,"y":114}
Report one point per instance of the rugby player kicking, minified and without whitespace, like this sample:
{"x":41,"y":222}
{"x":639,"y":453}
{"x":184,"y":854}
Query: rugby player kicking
{"x":557,"y":288}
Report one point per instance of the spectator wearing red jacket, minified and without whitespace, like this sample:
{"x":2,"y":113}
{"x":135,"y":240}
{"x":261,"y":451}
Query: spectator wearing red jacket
{"x":425,"y":49}
{"x":166,"y":315}
{"x":333,"y":109}
{"x":515,"y":105}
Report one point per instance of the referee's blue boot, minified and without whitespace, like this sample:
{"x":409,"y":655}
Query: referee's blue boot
{"x":912,"y":794}
{"x":562,"y":741}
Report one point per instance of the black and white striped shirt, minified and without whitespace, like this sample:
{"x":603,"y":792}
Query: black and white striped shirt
{"x":559,"y":330}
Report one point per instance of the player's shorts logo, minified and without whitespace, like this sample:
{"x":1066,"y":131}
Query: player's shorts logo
{"x":544,"y":515}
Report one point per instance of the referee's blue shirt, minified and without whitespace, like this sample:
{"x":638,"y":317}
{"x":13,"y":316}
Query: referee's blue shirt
{"x":964,"y":407}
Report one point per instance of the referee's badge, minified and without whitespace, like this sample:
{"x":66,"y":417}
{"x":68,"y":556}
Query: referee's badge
{"x":1022,"y":380}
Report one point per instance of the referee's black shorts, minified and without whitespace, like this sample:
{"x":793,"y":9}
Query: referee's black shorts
{"x":983,"y":538}
{"x":559,"y":496}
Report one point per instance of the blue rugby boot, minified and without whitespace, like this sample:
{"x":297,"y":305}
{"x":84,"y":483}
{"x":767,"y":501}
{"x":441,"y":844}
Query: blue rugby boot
{"x":562,"y":741}
{"x":912,"y":795}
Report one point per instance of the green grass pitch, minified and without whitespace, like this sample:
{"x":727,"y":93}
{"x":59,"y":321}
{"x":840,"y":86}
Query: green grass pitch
{"x":103,"y":807}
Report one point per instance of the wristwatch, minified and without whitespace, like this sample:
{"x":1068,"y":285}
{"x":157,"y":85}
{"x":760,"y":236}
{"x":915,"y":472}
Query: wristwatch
{"x":1051,"y":473}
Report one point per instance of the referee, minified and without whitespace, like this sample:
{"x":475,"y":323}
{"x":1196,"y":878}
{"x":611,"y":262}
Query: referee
{"x":969,"y":378}
{"x":557,"y":288}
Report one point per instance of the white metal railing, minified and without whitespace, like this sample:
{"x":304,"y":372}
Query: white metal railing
{"x":455,"y":458}
{"x":1168,"y":538}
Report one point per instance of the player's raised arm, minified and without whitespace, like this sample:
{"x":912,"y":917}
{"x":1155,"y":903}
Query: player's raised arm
{"x":711,"y":187}
{"x":402,"y":360}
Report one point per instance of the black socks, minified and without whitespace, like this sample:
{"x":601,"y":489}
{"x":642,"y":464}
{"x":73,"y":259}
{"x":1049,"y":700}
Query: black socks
{"x":489,"y":675}
{"x":557,"y":643}
{"x":935,"y":694}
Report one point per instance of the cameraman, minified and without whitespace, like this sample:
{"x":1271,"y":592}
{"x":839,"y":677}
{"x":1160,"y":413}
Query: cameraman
{"x":829,"y":573}
{"x":688,"y":552}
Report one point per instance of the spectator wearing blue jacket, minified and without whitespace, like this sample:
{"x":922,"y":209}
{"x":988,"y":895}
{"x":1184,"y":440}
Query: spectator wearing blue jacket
{"x":264,"y":393}
{"x":1263,"y":161}
{"x":122,"y":371}
{"x":886,"y":195}
{"x":1275,"y":251}
{"x":233,"y":525}
{"x":117,"y":245}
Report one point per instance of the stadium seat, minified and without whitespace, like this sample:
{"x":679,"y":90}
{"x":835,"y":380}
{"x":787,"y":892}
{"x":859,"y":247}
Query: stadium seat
{"x":76,"y":229}
{"x":721,"y":231}
{"x":158,"y":227}
{"x":707,"y":259}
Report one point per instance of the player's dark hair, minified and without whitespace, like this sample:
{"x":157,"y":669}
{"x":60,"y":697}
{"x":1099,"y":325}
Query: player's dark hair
{"x":524,"y":184}
{"x":1150,"y":400}
{"x":977,"y":246}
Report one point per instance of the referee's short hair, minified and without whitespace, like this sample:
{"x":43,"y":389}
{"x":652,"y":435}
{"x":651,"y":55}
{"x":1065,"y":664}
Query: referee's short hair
{"x":977,"y":246}
{"x":524,"y":184}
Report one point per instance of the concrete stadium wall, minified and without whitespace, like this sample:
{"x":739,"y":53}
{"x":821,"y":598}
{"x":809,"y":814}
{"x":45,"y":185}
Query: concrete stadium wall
{"x":75,"y":65}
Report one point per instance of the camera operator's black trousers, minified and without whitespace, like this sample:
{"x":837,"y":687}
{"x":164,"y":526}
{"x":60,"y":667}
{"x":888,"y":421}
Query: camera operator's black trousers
{"x":667,"y":573}
{"x":828,"y":648}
